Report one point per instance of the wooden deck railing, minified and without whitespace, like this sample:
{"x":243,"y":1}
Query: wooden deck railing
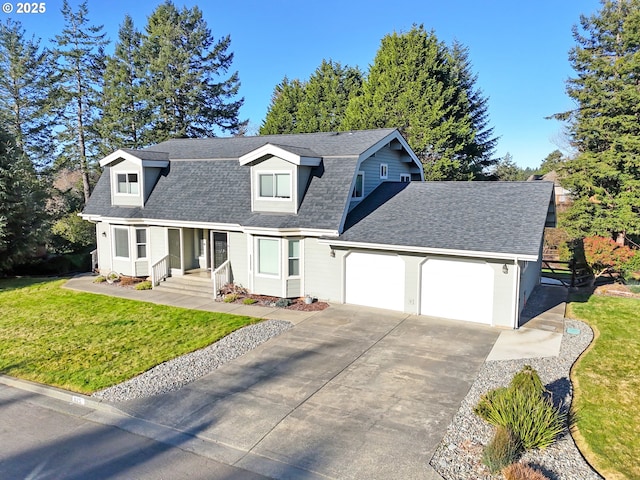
{"x":221,"y":276}
{"x":160,"y":271}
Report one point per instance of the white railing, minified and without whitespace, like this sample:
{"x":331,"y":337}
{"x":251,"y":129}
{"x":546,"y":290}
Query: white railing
{"x":160,"y":271}
{"x":221,"y":276}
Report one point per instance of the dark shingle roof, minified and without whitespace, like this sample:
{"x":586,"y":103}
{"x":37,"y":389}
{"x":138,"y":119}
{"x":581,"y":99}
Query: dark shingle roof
{"x":502,"y":217}
{"x":326,"y":144}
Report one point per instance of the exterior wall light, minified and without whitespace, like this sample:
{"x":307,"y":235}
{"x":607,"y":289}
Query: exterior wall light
{"x":332,"y":253}
{"x":505,"y":269}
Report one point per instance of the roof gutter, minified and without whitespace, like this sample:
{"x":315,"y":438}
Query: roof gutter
{"x":438,"y":251}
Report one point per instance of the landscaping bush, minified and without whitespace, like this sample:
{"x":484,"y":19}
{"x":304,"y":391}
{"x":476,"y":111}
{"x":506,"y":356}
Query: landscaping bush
{"x":283,"y":303}
{"x":528,"y":381}
{"x":100,"y":279}
{"x":249,"y":301}
{"x":525,"y":409}
{"x":503,"y":450}
{"x":522,"y":471}
{"x":146,"y":285}
{"x":232,"y":297}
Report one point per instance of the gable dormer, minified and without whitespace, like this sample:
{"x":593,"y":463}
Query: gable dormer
{"x":133,"y":174}
{"x":279,"y":176}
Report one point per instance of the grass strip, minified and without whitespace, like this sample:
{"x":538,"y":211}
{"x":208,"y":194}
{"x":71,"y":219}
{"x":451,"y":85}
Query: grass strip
{"x":85,"y":342}
{"x":607,"y":384}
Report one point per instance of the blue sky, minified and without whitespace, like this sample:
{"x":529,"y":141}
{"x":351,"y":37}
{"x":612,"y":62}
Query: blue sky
{"x":519,"y":49}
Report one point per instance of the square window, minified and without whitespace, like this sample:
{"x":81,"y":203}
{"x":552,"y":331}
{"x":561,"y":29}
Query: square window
{"x":127,"y":183}
{"x":405,"y":177}
{"x":269,"y":256}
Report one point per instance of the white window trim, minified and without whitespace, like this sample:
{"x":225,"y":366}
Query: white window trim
{"x":405,"y":177}
{"x":146,"y":242}
{"x":353,"y":195}
{"x":113,"y":236}
{"x":384,"y":171}
{"x":274,"y":172}
{"x":127,"y":172}
{"x":256,"y":257}
{"x":299,"y":257}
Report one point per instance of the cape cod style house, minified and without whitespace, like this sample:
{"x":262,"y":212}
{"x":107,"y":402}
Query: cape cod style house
{"x":344,"y":217}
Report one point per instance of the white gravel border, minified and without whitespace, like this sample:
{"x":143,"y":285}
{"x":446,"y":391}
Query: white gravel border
{"x":459,"y":454}
{"x":174,"y":374}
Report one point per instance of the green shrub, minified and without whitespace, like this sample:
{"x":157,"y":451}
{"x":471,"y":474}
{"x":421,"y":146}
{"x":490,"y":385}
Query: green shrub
{"x":100,"y":279}
{"x":232,"y":297}
{"x":503,"y":450}
{"x":146,"y":285}
{"x":249,"y":301}
{"x":283,"y":303}
{"x":524,"y":408}
{"x":522,"y":471}
{"x":528,"y":381}
{"x":533,"y":418}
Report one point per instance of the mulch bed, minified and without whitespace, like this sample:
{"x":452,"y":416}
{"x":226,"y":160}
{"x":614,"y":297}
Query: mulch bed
{"x":268,"y":301}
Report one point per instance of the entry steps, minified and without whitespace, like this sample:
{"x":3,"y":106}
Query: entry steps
{"x":196,"y":286}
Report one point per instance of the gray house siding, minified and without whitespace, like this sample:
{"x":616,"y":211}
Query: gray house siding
{"x":238,"y":258}
{"x":371,"y":169}
{"x":503,"y":293}
{"x":322,"y":272}
{"x":530,"y":278}
{"x":103,"y":246}
{"x":157,"y":243}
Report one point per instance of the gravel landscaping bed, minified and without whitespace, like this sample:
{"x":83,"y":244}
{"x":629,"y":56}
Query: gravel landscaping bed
{"x":176,"y":373}
{"x":459,"y":454}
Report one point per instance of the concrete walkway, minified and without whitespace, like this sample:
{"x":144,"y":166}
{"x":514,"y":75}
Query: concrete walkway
{"x":348,"y":393}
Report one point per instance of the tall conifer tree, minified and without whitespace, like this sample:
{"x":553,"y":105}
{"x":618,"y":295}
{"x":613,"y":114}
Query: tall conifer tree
{"x":604,"y":177}
{"x":125,"y":111}
{"x":80,"y":52}
{"x":185,"y":81}
{"x":26,"y":78}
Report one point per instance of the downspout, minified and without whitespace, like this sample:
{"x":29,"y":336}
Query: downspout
{"x":516,"y":313}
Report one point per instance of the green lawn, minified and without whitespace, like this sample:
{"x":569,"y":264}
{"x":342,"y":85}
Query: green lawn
{"x":84,"y":342}
{"x":607,"y":380}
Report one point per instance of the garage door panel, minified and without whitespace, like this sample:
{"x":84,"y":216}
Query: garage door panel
{"x":375,"y":280}
{"x":457,"y":289}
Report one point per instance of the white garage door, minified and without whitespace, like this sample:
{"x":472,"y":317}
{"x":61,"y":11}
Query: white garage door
{"x":375,"y":280}
{"x":457,"y":289}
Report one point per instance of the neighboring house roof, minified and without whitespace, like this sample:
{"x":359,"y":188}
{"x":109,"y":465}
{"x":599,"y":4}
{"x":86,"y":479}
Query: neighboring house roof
{"x":503,"y":217}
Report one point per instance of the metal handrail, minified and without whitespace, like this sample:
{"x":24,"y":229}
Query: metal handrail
{"x":159,"y":271}
{"x":221,"y":276}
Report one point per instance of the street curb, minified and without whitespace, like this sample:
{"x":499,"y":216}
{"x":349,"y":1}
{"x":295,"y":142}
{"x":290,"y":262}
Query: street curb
{"x":60,"y":394}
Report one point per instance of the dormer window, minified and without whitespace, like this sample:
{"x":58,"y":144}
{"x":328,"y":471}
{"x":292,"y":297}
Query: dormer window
{"x":127,"y":183}
{"x":274,"y":185}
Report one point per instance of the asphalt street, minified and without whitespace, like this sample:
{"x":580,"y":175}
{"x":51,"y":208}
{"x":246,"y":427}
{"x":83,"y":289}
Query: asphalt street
{"x":44,"y":438}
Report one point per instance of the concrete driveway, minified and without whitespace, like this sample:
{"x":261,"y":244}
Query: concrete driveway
{"x":347,"y":393}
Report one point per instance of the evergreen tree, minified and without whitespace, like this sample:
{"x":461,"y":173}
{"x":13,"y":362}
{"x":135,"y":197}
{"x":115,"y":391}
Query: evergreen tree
{"x":25,"y":80}
{"x":481,"y":149}
{"x":21,"y":200}
{"x":553,"y":161}
{"x":604,"y":177}
{"x":282,"y":116}
{"x":80,"y":51}
{"x":125,"y":112}
{"x":416,"y":85}
{"x":183,"y":83}
{"x":316,"y":105}
{"x":506,"y":170}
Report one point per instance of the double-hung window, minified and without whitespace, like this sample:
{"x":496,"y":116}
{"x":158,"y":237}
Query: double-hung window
{"x":141,"y":242}
{"x":294,"y":258}
{"x":384,"y":171}
{"x":274,"y":185}
{"x":121,"y":242}
{"x":127,"y":183}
